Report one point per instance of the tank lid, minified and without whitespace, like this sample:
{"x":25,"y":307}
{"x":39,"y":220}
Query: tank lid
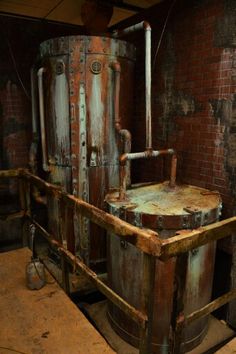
{"x":159,"y":206}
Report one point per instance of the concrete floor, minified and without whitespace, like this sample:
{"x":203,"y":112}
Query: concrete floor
{"x":41,"y":321}
{"x":46,"y":321}
{"x":229,"y":348}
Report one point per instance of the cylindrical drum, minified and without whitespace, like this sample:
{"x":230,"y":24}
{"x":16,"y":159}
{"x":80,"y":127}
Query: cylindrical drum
{"x":165,"y":210}
{"x":85,"y":78}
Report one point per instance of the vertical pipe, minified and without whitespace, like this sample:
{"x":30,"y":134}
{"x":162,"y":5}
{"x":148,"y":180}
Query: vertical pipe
{"x":34,"y":101}
{"x":34,"y":144}
{"x":147,"y":28}
{"x":42,"y":119}
{"x":148,"y":86}
{"x":124,"y":133}
{"x":173,"y":171}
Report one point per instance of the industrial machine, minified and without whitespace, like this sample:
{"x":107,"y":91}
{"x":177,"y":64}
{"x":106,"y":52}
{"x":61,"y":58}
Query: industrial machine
{"x":80,"y":83}
{"x":85,"y":89}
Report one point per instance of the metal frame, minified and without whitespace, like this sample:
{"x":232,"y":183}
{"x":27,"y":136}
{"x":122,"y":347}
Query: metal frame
{"x":146,"y":240}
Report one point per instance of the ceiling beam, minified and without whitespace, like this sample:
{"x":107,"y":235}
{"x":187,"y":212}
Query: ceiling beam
{"x":144,"y":14}
{"x":122,"y":5}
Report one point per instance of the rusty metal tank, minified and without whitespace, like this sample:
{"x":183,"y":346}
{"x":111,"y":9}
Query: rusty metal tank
{"x":82,"y":143}
{"x":165,"y":210}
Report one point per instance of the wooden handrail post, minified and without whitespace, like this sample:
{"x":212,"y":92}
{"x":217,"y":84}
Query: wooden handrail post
{"x":63,"y":241}
{"x":148,"y":284}
{"x":178,"y":303}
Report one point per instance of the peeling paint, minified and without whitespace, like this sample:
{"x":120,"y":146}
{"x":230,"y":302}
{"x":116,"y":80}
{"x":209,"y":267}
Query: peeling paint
{"x":61,"y":102}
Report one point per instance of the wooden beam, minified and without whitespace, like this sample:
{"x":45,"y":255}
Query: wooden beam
{"x":136,"y":315}
{"x":146,"y":240}
{"x":9,"y":173}
{"x":212,"y":306}
{"x":148,"y":295}
{"x":158,"y":10}
{"x":181,"y":270}
{"x":186,"y":241}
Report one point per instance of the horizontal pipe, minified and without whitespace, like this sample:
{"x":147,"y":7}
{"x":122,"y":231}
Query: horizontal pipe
{"x":145,"y":155}
{"x":148,"y":154}
{"x":123,"y":305}
{"x":134,"y":28}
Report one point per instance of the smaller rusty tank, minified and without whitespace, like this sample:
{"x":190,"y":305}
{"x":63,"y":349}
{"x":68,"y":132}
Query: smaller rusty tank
{"x":165,"y":210}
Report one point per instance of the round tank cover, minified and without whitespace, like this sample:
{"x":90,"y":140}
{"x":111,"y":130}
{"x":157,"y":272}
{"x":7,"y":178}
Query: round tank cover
{"x":96,"y":66}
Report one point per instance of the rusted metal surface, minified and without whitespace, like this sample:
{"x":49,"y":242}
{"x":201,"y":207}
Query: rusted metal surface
{"x":166,"y":210}
{"x":81,"y":128}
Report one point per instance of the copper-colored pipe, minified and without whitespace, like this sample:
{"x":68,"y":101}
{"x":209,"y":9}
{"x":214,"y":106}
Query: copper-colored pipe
{"x":124,"y":133}
{"x":149,"y":152}
{"x":173,"y":171}
{"x":144,"y":155}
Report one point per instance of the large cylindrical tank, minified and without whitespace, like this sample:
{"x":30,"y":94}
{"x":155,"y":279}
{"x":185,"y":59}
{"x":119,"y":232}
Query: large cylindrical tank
{"x":83,"y":145}
{"x":165,"y":210}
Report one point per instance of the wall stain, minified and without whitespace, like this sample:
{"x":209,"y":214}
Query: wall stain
{"x":174,"y":102}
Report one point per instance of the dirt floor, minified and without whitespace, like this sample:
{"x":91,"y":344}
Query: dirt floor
{"x":41,"y":321}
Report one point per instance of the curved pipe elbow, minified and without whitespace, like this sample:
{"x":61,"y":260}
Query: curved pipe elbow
{"x":125,"y":133}
{"x":115,"y":66}
{"x":146,"y":26}
{"x":123,"y":159}
{"x":41,"y":71}
{"x":137,"y":27}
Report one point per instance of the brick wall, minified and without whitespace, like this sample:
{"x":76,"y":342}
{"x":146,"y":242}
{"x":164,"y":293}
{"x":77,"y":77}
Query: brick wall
{"x":193,"y":97}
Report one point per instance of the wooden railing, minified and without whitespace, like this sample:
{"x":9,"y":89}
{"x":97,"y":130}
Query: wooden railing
{"x":147,"y":241}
